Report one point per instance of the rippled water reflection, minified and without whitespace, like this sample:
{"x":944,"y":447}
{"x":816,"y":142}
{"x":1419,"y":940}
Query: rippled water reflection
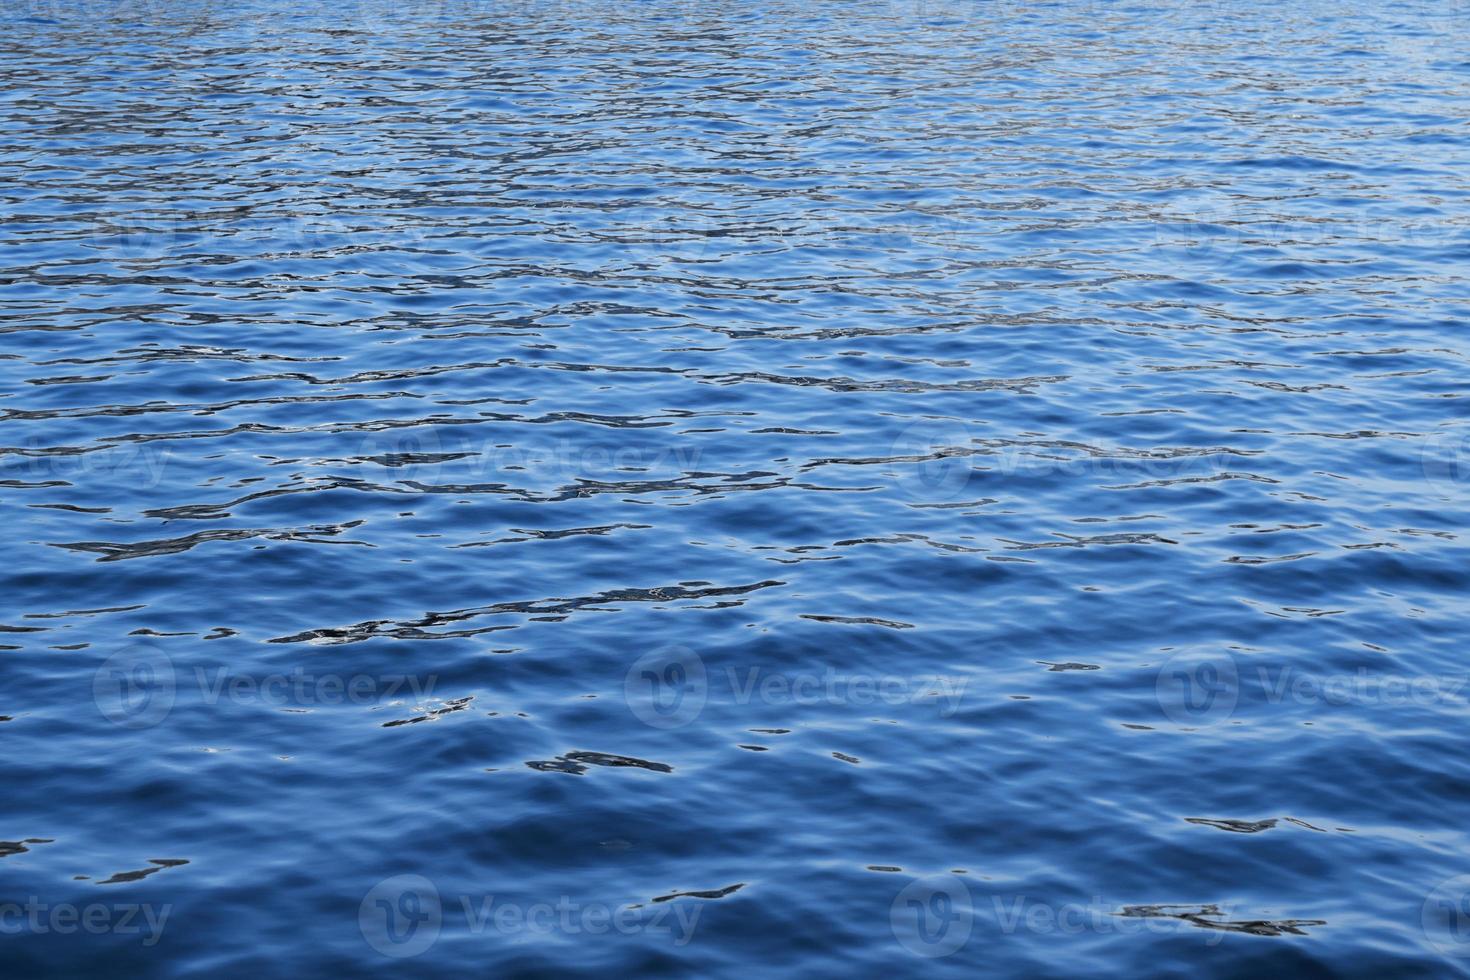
{"x":797,"y":487}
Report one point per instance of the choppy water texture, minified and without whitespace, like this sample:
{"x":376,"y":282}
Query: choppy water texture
{"x":687,"y":489}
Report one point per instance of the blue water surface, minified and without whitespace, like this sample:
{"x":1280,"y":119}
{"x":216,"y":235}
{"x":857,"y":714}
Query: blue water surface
{"x":876,"y":488}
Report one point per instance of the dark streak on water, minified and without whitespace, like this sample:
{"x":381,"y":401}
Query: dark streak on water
{"x":1042,"y":425}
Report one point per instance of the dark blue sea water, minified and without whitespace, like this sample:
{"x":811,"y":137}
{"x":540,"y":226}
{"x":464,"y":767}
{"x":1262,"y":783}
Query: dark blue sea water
{"x":789,"y":488}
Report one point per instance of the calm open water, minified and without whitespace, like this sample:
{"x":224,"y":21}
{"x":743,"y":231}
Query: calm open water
{"x":798,"y":488}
